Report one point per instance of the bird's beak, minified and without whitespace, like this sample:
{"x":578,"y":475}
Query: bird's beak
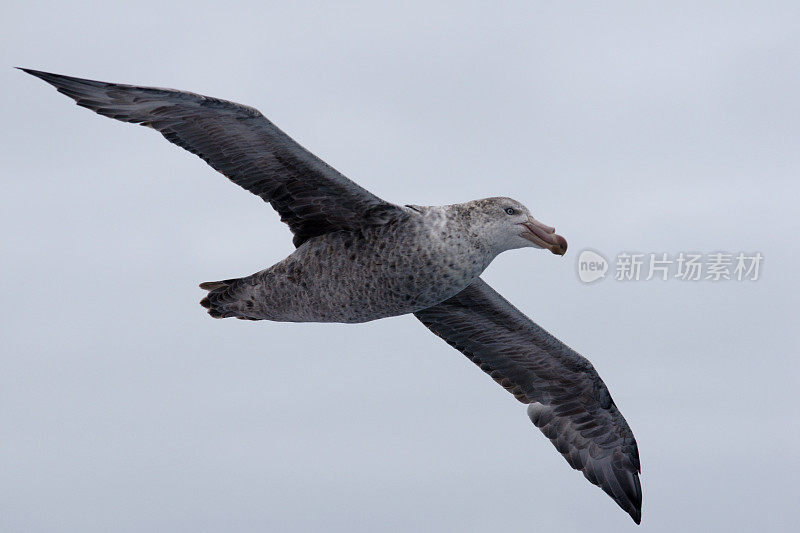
{"x":544,"y":236}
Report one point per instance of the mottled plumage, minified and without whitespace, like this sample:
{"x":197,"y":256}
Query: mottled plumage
{"x":414,"y":262}
{"x":360,"y":258}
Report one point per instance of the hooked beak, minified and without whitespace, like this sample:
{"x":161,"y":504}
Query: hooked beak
{"x":544,"y":236}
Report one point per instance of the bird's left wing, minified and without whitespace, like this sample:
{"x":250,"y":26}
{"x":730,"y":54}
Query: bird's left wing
{"x":566,"y":398}
{"x":239,"y":142}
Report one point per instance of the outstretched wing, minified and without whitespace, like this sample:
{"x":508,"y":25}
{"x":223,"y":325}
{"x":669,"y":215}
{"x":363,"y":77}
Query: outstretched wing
{"x":311,"y":197}
{"x":566,"y":398}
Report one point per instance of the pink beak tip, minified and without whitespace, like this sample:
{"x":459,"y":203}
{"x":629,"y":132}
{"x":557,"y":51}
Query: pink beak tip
{"x":561,"y":243}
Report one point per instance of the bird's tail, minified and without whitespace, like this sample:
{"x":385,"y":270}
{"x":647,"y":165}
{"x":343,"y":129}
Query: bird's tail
{"x":223,"y":299}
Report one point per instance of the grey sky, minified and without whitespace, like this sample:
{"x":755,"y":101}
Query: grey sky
{"x":628,"y":126}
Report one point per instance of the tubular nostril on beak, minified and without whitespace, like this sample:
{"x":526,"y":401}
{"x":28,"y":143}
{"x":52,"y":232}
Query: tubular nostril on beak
{"x":545,"y":227}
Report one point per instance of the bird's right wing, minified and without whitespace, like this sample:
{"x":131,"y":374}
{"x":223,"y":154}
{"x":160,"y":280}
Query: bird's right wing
{"x":566,"y":398}
{"x":311,"y":197}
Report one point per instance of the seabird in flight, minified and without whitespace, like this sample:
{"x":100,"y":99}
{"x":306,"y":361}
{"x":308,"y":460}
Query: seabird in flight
{"x":359,"y":258}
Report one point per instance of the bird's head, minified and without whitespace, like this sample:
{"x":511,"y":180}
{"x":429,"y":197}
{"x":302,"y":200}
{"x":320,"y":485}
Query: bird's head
{"x":510,"y":225}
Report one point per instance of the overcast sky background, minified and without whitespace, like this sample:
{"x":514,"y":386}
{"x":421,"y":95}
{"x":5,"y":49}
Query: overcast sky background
{"x":634,"y":126}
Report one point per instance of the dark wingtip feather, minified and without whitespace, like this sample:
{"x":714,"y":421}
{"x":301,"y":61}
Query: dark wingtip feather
{"x":630,"y":500}
{"x":46,"y":76}
{"x":212,"y":285}
{"x":636,"y":511}
{"x":39,"y":73}
{"x":61,"y":81}
{"x":636,"y":514}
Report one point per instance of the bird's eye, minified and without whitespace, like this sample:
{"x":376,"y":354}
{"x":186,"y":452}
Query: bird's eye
{"x":511,"y":211}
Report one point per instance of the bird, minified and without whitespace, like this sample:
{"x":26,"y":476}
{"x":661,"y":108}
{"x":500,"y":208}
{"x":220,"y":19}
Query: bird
{"x":359,"y":258}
